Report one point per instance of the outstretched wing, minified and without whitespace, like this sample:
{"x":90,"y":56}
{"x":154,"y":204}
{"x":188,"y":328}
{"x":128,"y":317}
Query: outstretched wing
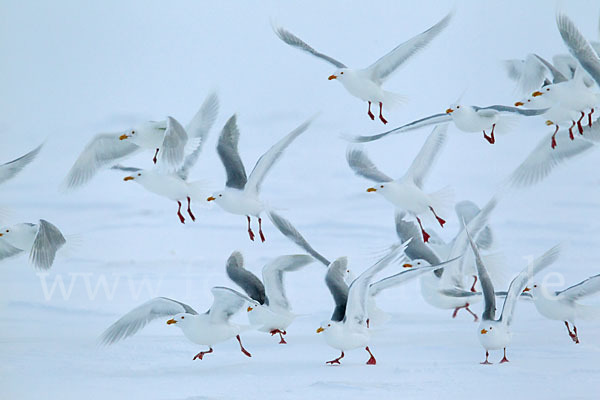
{"x":139,"y":317}
{"x":363,"y":166}
{"x":386,"y":65}
{"x":416,"y":249}
{"x":334,"y":279}
{"x":267,"y":160}
{"x":47,"y":242}
{"x":584,"y":288}
{"x":103,"y":150}
{"x":432,"y":148}
{"x":557,"y":76}
{"x":227,"y":148}
{"x":466,"y":210}
{"x":226,"y":303}
{"x":273,"y":273}
{"x":295,"y":41}
{"x":174,"y":142}
{"x":12,"y":168}
{"x":244,"y":278}
{"x":7,"y":250}
{"x":514,"y":110}
{"x":288,"y":230}
{"x":434,"y":119}
{"x":579,"y":47}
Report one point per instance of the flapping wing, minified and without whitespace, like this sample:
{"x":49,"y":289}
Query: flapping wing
{"x":244,"y":278}
{"x":514,"y":110}
{"x":422,"y":164}
{"x":267,"y":160}
{"x":173,"y":145}
{"x":227,"y":148}
{"x":466,"y":210}
{"x":334,"y":279}
{"x":103,"y":150}
{"x":584,"y":288}
{"x":529,"y":73}
{"x":47,"y":242}
{"x":416,"y":249}
{"x":288,"y":230}
{"x":363,"y":166}
{"x":139,"y":317}
{"x":226,"y":303}
{"x":273,"y":273}
{"x":489,"y":297}
{"x":386,"y":65}
{"x":579,"y":47}
{"x":434,"y":119}
{"x":557,"y":76}
{"x":12,"y":168}
{"x":7,"y":250}
{"x":520,"y":281}
{"x":294,"y":41}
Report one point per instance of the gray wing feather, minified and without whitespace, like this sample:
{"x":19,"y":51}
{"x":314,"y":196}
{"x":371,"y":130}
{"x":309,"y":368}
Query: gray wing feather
{"x":557,"y":76}
{"x":381,"y":69}
{"x":427,"y":121}
{"x":334,"y":279}
{"x":514,"y":110}
{"x":489,"y":297}
{"x":579,"y":47}
{"x":416,"y":249}
{"x":139,"y":317}
{"x":174,"y":142}
{"x":363,"y":166}
{"x":120,"y":167}
{"x":226,"y":303}
{"x":423,"y":162}
{"x":244,"y":278}
{"x":12,"y":168}
{"x":47,"y":242}
{"x":466,"y":210}
{"x":7,"y":250}
{"x":294,"y":41}
{"x":227,"y":148}
{"x":584,"y":288}
{"x":288,"y":230}
{"x":273,"y":274}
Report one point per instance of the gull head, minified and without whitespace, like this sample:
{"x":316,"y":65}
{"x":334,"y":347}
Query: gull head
{"x":128,"y":134}
{"x":181,"y":320}
{"x":324,"y":326}
{"x":339,"y":74}
{"x":381,"y":188}
{"x":537,"y":291}
{"x":416,"y":264}
{"x":137,"y":176}
{"x":18,"y":234}
{"x":217,"y":197}
{"x":455,"y":109}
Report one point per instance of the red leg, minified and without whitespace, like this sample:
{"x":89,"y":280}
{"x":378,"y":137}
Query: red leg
{"x":576,"y":339}
{"x":155,"y":156}
{"x":250,"y":233}
{"x":281,"y":333}
{"x":202,"y":353}
{"x":504,"y":359}
{"x":491,"y":138}
{"x":381,"y":113}
{"x":242,"y":347}
{"x":370,"y":113}
{"x":372,"y":360}
{"x":590,"y":117}
{"x":260,"y":232}
{"x":553,"y":144}
{"x":336,"y":361}
{"x":474,"y":282}
{"x":466,"y":307}
{"x":572,"y":335}
{"x":189,"y":210}
{"x":579,"y":123}
{"x":368,"y":320}
{"x":426,"y":235}
{"x":440,"y":220}
{"x":486,"y":362}
{"x":571,"y":136}
{"x":179,"y":213}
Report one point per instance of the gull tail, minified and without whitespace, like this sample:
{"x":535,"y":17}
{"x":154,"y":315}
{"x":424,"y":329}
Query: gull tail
{"x":588,"y":312}
{"x":506,"y":124}
{"x":393,"y":100}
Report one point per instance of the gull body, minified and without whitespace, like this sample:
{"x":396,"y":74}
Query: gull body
{"x":41,"y":240}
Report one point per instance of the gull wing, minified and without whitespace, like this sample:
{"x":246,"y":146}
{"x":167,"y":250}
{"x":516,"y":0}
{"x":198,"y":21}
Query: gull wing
{"x":47,"y":242}
{"x":244,"y":278}
{"x":420,"y":167}
{"x":579,"y":47}
{"x":434,"y":119}
{"x":334,"y":279}
{"x":174,"y":142}
{"x":12,"y":168}
{"x":513,"y":110}
{"x":294,"y":41}
{"x":273,"y":274}
{"x":227,"y":148}
{"x":584,"y":288}
{"x":226,"y":303}
{"x":7,"y":250}
{"x":489,"y":297}
{"x":360,"y":163}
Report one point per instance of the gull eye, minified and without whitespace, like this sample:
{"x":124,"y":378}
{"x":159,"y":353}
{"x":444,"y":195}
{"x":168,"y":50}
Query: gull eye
{"x":381,"y":186}
{"x":491,"y":328}
{"x":341,"y":73}
{"x":133,"y":132}
{"x":528,"y":101}
{"x":533,"y":285}
{"x":457,"y":106}
{"x":220,"y":195}
{"x":182,"y":317}
{"x":328,"y":325}
{"x":547,"y":89}
{"x":139,"y":174}
{"x":7,"y":230}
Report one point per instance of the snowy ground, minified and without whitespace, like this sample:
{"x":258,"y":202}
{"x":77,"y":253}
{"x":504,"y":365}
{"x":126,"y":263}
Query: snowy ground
{"x":71,"y":71}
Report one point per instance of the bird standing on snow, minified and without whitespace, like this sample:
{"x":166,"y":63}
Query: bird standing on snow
{"x":272,"y":314}
{"x":240,"y":195}
{"x":366,"y":83}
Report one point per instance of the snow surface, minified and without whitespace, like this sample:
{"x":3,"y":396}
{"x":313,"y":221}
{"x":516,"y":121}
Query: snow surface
{"x":73,"y":69}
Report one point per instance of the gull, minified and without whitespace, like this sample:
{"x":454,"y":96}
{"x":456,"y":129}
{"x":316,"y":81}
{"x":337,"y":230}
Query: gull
{"x":579,"y":47}
{"x":272,"y":313}
{"x":532,"y":73}
{"x":351,"y":332}
{"x":41,"y":240}
{"x":366,"y":83}
{"x":10,"y":169}
{"x":562,"y":305}
{"x":240,"y":195}
{"x":406,"y":193}
{"x":107,"y":149}
{"x":174,"y":185}
{"x":496,"y":118}
{"x":206,"y":329}
{"x":494,"y":333}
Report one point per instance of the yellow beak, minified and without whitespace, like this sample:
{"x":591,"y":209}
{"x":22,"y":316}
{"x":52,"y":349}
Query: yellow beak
{"x":250,"y":309}
{"x":549,"y":123}
{"x":332,"y":77}
{"x":123,"y":137}
{"x":449,"y":111}
{"x":210,"y":198}
{"x":526,"y":290}
{"x":483,"y":331}
{"x":128,"y":178}
{"x":171,"y":321}
{"x":371,"y":190}
{"x":320,"y":330}
{"x":407,"y":265}
{"x":536,"y":93}
{"x":519,"y":103}
{"x":1,"y":234}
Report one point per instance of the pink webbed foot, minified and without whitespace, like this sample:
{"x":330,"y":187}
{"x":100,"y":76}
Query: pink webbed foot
{"x":250,"y":233}
{"x":242,"y":347}
{"x":372,"y":360}
{"x":504,"y":359}
{"x":486,"y":362}
{"x":371,"y":115}
{"x":281,"y":333}
{"x":426,"y":235}
{"x":336,"y":361}
{"x":491,"y":139}
{"x":201,"y":354}
{"x":439,"y":220}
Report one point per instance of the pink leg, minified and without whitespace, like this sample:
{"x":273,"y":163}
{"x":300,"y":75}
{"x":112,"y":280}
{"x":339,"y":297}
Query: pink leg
{"x":571,"y":136}
{"x":155,"y":156}
{"x":426,"y":235}
{"x":242,"y":347}
{"x":474,"y":282}
{"x":553,"y":144}
{"x":590,"y":117}
{"x":381,"y":113}
{"x":250,"y":233}
{"x":572,"y":335}
{"x":372,"y":360}
{"x":440,"y":220}
{"x":189,"y":210}
{"x":486,"y":362}
{"x":336,"y":361}
{"x":370,"y":113}
{"x":504,"y":359}
{"x":466,"y":307}
{"x":281,"y":333}
{"x":491,"y":138}
{"x":260,"y":232}
{"x":179,"y":213}
{"x":202,"y":353}
{"x":579,"y":123}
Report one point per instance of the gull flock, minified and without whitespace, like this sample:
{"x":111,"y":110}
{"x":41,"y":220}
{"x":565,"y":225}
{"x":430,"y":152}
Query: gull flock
{"x":564,"y":94}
